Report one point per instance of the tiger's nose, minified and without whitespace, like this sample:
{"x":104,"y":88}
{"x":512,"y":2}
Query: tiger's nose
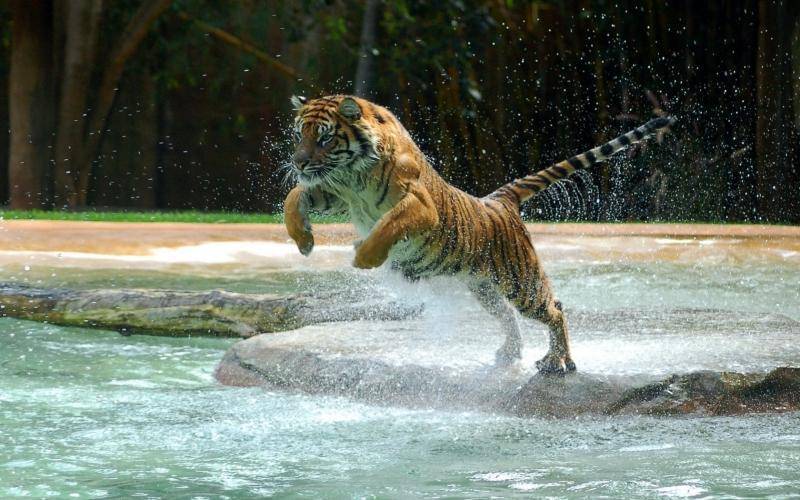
{"x":300,"y":159}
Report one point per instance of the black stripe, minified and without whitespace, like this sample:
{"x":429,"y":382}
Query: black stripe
{"x":531,"y":185}
{"x":346,"y":152}
{"x":606,"y":149}
{"x":383,"y":172}
{"x":463,"y":227}
{"x":316,"y":116}
{"x":521,"y":254}
{"x":342,"y":134}
{"x":385,"y":185}
{"x":590,"y":156}
{"x":548,"y":176}
{"x":361,"y":140}
{"x":456,"y":266}
{"x":499,"y":243}
{"x":638,"y":134}
{"x":512,"y":268}
{"x":624,"y":140}
{"x":575,"y":162}
{"x":536,"y":307}
{"x":327,"y":199}
{"x":420,"y":253}
{"x":439,"y":259}
{"x":657,"y":123}
{"x":541,"y":309}
{"x":561,"y":171}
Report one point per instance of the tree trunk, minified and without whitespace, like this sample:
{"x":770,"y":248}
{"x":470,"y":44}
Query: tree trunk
{"x":174,"y":313}
{"x":777,"y":196}
{"x":366,"y":58}
{"x":125,"y":173}
{"x":31,"y":100}
{"x":81,"y":26}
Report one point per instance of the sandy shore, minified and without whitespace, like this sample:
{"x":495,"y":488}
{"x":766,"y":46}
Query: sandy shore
{"x":140,"y":238}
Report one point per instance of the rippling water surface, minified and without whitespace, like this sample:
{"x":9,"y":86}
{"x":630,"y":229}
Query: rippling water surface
{"x":87,"y":413}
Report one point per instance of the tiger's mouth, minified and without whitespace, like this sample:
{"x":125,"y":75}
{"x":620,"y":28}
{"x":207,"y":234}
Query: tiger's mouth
{"x":312,"y":174}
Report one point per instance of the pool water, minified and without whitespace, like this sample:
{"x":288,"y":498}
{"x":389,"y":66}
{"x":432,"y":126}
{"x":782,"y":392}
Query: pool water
{"x":89,"y":413}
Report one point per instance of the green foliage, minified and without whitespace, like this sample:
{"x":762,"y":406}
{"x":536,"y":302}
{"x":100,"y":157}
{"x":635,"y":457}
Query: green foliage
{"x":490,"y":90}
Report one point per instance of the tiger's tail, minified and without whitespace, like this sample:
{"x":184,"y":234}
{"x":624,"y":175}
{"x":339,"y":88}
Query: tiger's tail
{"x":521,"y":190}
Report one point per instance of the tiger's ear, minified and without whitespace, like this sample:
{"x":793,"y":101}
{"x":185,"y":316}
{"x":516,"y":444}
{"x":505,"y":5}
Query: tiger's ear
{"x":350,"y":109}
{"x":298,"y":101}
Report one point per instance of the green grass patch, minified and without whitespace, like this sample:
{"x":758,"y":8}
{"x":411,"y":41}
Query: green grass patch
{"x":240,"y":218}
{"x":165,"y":216}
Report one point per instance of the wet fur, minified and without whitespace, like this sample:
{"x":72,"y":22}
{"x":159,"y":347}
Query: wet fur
{"x":354,"y":157}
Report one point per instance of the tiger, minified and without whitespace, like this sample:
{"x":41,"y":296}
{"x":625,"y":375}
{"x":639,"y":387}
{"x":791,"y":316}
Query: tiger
{"x":354,"y":157}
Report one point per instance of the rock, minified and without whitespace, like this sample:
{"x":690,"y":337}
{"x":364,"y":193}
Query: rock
{"x":260,"y":361}
{"x":570,"y":395}
{"x":215,"y":313}
{"x":390,"y":367}
{"x":715,"y":393}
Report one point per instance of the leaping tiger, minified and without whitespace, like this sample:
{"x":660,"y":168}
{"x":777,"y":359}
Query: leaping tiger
{"x":355,"y":157}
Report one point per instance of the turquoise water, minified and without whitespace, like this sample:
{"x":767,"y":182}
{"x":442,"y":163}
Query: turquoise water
{"x":92,"y":414}
{"x":89,"y":413}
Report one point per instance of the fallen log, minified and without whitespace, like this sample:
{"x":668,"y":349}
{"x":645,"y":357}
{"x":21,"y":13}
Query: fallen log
{"x":178,"y":313}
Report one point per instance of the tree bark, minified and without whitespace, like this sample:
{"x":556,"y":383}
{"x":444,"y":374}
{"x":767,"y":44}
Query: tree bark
{"x":174,"y":313}
{"x":31,"y":100}
{"x":366,"y":58}
{"x":81,"y":20}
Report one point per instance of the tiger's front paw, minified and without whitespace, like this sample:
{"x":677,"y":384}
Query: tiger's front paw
{"x":368,"y":256}
{"x":300,"y":231}
{"x":305,"y":242}
{"x":552,"y":364}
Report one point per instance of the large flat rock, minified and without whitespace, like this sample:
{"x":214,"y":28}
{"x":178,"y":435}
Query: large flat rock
{"x":407,"y":363}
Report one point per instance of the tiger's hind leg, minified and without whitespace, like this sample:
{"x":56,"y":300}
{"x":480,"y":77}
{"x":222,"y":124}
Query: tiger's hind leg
{"x":494,"y":303}
{"x":542,"y":306}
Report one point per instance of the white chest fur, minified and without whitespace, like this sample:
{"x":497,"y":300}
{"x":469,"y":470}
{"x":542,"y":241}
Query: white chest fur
{"x":363,"y":211}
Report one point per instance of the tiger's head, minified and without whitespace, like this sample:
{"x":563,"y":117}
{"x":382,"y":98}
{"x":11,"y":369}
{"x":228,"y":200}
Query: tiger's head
{"x":333,"y":140}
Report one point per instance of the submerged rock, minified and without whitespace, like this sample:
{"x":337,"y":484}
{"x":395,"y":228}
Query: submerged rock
{"x":316,"y":362}
{"x":268,"y":361}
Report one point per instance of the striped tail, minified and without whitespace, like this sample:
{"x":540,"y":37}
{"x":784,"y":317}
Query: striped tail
{"x":521,"y":190}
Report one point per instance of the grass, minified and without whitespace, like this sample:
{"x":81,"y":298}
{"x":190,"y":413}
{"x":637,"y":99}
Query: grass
{"x":166,"y":216}
{"x":238,"y":217}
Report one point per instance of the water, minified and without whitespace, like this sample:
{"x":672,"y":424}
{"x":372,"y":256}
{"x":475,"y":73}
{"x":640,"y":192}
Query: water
{"x":87,"y":413}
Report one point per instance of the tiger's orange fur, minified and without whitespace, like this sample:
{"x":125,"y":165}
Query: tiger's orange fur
{"x":355,"y":157}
